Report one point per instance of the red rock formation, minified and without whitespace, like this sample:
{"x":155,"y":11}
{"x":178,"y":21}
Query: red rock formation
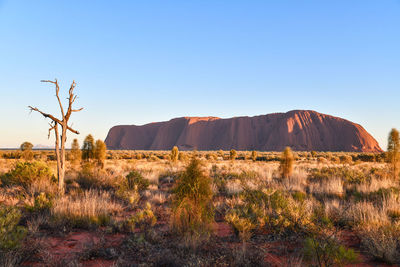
{"x":299,"y":129}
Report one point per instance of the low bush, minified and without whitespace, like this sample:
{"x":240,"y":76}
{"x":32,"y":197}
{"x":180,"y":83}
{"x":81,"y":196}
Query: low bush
{"x":326,"y":251}
{"x":135,"y":180}
{"x":42,"y":203}
{"x":381,"y":241}
{"x":93,"y":177}
{"x":27,"y":173}
{"x":144,"y":219}
{"x":242,"y":226}
{"x":275,"y":210}
{"x":349,"y":176}
{"x":11,"y":234}
{"x":346,"y":159}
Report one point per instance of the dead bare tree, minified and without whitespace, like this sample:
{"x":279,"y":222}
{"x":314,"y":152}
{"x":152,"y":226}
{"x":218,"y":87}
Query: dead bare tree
{"x":63,"y":123}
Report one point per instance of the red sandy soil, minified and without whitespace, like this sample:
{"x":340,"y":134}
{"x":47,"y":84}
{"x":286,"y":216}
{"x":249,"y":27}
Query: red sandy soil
{"x":70,"y":245}
{"x":97,"y":263}
{"x":66,"y":247}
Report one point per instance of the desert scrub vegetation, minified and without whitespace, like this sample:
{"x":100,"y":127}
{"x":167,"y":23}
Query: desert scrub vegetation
{"x":86,"y":209}
{"x":193,"y":211}
{"x":11,"y":233}
{"x":243,"y":207}
{"x":26,"y":173}
{"x":381,"y":241}
{"x":144,"y":219}
{"x":326,"y":251}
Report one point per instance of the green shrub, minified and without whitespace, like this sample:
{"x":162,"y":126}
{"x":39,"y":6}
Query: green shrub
{"x":242,"y":225}
{"x":130,"y":196}
{"x":326,"y":251}
{"x":277,"y":211}
{"x":11,"y":234}
{"x":100,"y":153}
{"x":144,"y":219}
{"x":299,"y":196}
{"x":42,"y":202}
{"x":88,"y":148}
{"x":193,"y":212}
{"x":135,"y":180}
{"x":26,"y":173}
{"x":349,"y":176}
{"x":91,"y":176}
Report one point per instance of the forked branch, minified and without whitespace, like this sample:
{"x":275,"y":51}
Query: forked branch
{"x":54,"y":119}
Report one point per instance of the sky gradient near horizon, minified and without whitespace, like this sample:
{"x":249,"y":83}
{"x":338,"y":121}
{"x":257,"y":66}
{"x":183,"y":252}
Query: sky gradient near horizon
{"x":137,"y":62}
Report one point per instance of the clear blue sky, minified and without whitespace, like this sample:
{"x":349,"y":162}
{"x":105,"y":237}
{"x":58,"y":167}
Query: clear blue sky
{"x":137,"y":62}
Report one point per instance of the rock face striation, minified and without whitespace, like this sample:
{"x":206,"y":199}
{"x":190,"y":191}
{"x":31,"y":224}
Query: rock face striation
{"x":302,"y":130}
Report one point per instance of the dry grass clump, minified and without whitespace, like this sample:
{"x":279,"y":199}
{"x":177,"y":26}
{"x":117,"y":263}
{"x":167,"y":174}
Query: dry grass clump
{"x":365,"y":212}
{"x":233,"y":187}
{"x":92,"y":177}
{"x":332,"y":186}
{"x":6,"y":165}
{"x":297,"y":182}
{"x":85,"y":209}
{"x":375,"y":184}
{"x":157,"y":197}
{"x":381,"y":241}
{"x":11,"y":196}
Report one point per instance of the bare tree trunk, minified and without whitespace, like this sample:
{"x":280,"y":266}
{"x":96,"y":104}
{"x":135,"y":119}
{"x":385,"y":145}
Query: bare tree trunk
{"x":59,"y":166}
{"x":60,"y":148}
{"x":62,"y":171}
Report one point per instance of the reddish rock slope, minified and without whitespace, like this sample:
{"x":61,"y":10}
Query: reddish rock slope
{"x":299,"y":129}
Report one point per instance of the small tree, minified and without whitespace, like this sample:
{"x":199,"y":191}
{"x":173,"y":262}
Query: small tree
{"x":174,"y":154}
{"x":232,"y":154}
{"x":253,"y":155}
{"x":26,"y":146}
{"x":26,"y":149}
{"x":76,"y":153}
{"x":394,"y":152}
{"x":63,"y":123}
{"x":100,"y":152}
{"x":286,"y":166}
{"x":88,"y":148}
